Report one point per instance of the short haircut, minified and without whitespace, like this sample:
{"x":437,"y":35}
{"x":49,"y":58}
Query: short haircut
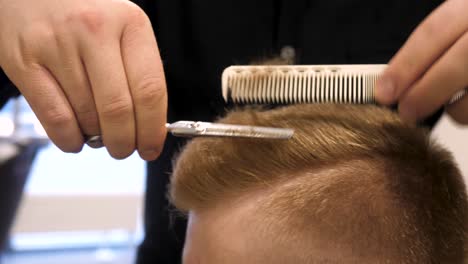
{"x":367,"y":179}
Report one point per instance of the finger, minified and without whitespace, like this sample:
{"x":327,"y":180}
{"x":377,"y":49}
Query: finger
{"x":50,"y":105}
{"x":104,"y":66}
{"x":66,"y":65}
{"x":459,"y":110}
{"x":425,"y":45}
{"x":147,"y":84}
{"x":447,"y":76}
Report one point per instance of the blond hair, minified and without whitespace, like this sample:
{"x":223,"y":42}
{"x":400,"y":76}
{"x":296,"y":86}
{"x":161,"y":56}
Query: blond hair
{"x":384,"y":185}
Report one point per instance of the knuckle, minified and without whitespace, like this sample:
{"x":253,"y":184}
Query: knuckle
{"x":57,"y":118}
{"x":48,"y":36}
{"x":150,"y":92}
{"x":36,"y":37}
{"x":91,"y":19}
{"x":116,"y":108}
{"x":136,"y":15}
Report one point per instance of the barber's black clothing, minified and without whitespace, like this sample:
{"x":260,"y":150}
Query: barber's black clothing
{"x":198,"y":39}
{"x":7,"y":90}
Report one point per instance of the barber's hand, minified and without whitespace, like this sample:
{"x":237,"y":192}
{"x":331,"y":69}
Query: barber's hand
{"x":431,"y":67}
{"x":87,"y":67}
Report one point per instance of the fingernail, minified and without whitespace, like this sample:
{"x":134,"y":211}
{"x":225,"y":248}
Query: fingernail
{"x":149,"y":155}
{"x":385,"y":91}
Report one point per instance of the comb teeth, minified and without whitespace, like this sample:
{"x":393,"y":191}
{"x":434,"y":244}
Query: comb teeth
{"x":300,"y":84}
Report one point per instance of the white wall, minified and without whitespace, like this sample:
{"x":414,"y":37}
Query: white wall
{"x":88,"y":193}
{"x":455,"y":138}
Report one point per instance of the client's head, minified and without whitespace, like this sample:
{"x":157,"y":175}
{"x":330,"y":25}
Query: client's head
{"x":353,"y":185}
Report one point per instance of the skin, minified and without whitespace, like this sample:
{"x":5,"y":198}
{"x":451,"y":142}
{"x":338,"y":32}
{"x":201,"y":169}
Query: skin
{"x":230,"y":234}
{"x":214,"y":238}
{"x":87,"y":67}
{"x":234,"y":234}
{"x":431,"y":66}
{"x":93,"y":67}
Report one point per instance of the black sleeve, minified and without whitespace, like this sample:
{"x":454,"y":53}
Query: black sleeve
{"x":7,"y":89}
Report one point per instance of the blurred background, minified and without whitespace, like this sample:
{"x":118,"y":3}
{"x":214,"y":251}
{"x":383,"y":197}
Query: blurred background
{"x":86,"y":208}
{"x":64,"y":208}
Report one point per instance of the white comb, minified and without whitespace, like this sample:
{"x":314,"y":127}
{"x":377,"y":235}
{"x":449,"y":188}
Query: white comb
{"x":304,"y":84}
